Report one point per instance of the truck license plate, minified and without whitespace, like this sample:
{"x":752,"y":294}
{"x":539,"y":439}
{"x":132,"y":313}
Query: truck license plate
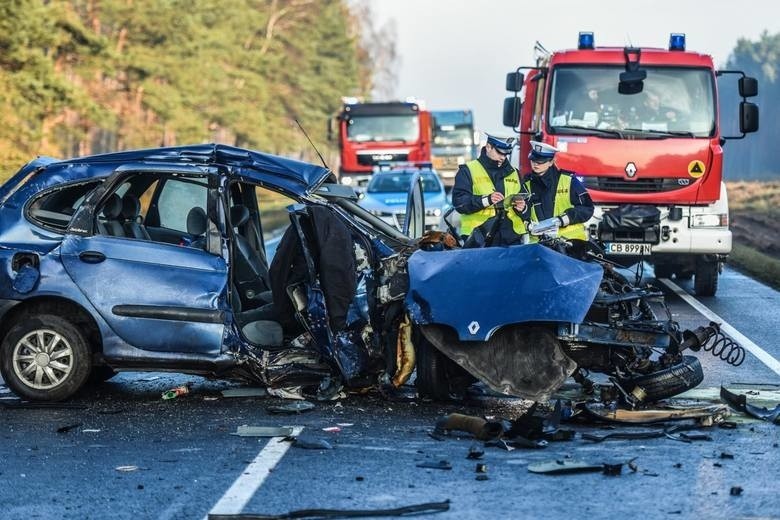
{"x":619,"y":248}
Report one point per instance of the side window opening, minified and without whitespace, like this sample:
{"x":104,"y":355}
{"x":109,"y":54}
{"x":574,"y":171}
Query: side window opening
{"x":54,"y":209}
{"x":170,"y":210}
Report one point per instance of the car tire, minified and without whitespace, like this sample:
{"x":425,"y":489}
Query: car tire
{"x":431,"y":366}
{"x":667,"y":382}
{"x":45,"y":358}
{"x":705,"y":281}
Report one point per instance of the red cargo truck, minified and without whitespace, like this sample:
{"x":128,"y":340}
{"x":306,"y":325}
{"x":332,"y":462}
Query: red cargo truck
{"x":370,"y":133}
{"x":640,"y":128}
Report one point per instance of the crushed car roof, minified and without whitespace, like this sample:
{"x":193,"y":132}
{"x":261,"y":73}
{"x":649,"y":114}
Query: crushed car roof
{"x":295,"y":177}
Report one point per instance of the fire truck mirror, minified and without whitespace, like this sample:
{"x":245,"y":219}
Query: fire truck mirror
{"x":748,"y":87}
{"x":632,"y":81}
{"x":512,"y":108}
{"x":748,"y":117}
{"x":514,"y":81}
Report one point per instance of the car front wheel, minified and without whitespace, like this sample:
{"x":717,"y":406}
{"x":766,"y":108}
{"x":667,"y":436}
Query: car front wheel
{"x":45,"y":358}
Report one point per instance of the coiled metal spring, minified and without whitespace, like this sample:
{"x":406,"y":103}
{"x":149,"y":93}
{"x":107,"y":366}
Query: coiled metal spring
{"x":722,"y":346}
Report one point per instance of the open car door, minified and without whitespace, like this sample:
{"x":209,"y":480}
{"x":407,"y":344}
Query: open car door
{"x":414,"y":224}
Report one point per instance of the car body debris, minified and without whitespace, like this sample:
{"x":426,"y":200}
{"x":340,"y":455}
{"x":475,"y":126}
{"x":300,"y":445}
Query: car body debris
{"x":293,"y":408}
{"x":739,"y":403}
{"x":245,"y":392}
{"x":440,"y":464}
{"x":263,"y":431}
{"x":413,"y":510}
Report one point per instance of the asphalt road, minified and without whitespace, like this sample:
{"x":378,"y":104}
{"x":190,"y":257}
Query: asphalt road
{"x":184,"y":461}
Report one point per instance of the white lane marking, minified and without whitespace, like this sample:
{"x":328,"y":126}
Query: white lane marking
{"x":250,"y":480}
{"x":764,"y":356}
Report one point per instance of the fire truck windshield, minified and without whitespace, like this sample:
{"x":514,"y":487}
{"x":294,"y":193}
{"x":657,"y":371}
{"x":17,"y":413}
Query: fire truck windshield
{"x":453,"y":136}
{"x":674,"y":102}
{"x":383,"y":128}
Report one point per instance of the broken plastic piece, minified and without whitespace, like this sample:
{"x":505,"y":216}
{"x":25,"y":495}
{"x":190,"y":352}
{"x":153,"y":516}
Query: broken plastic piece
{"x":310,"y":443}
{"x":291,"y":408}
{"x":332,"y":429}
{"x":562,"y":466}
{"x":735,"y":491}
{"x":126,"y":469}
{"x":245,"y":392}
{"x":481,"y":467}
{"x":477,"y":426}
{"x":613,"y":470}
{"x":475,"y":452}
{"x":263,"y":431}
{"x":414,"y":510}
{"x":442,"y":464}
{"x":739,"y":403}
{"x":713,"y":414}
{"x":66,"y":429}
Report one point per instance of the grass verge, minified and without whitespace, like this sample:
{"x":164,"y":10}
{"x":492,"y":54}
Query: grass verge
{"x":760,"y":266}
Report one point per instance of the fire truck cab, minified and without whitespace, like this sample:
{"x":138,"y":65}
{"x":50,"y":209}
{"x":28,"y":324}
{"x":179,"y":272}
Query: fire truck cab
{"x":640,"y":128}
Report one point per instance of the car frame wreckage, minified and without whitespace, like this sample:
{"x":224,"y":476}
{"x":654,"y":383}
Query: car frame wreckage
{"x":155,"y":260}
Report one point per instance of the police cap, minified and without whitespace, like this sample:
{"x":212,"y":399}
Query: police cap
{"x":541,"y":151}
{"x":502,"y":144}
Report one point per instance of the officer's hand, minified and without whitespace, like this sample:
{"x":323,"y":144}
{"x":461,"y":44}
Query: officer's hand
{"x":519,"y":205}
{"x":496,"y":197}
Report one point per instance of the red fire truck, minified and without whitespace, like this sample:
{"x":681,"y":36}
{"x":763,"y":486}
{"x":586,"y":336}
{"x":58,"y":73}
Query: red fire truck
{"x":370,"y":133}
{"x":640,"y":128}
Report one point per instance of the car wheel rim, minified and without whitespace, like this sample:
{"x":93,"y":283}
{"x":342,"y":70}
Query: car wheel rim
{"x":42,"y":359}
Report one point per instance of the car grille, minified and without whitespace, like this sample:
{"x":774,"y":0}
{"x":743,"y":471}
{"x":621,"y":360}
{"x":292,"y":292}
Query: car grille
{"x":619,"y":185}
{"x":370,"y":159}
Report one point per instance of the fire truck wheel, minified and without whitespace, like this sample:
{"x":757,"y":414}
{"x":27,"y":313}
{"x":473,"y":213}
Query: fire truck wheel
{"x":664,"y":270}
{"x":705,"y":281}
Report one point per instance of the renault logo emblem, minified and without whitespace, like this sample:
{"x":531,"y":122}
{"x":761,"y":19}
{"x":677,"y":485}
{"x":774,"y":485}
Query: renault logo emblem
{"x":473,"y":327}
{"x":630,"y":170}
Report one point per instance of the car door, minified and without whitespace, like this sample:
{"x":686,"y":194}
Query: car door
{"x":155,"y":295}
{"x":414,"y":225}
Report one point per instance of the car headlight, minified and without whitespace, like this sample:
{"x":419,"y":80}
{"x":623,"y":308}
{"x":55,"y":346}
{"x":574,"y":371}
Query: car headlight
{"x":435,"y":212}
{"x":711,"y":220}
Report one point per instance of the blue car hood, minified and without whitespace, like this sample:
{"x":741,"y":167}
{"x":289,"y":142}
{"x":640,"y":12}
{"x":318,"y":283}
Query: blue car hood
{"x":476,"y":291}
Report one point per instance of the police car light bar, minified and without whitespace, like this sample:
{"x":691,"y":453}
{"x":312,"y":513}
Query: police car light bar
{"x":677,"y":42}
{"x":586,"y":41}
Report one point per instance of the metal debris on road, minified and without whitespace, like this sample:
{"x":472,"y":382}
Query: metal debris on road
{"x":706,"y":415}
{"x":477,"y":426}
{"x":413,"y":510}
{"x":332,"y":429}
{"x":66,"y":429}
{"x":245,"y":392}
{"x":442,"y":464}
{"x":563,"y":466}
{"x":475,"y":452}
{"x":295,"y":407}
{"x":126,"y":469}
{"x":735,"y":491}
{"x":739,"y":403}
{"x":263,"y":431}
{"x":308,"y":443}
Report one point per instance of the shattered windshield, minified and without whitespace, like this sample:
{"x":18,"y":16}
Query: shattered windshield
{"x":674,"y":102}
{"x":383,"y":128}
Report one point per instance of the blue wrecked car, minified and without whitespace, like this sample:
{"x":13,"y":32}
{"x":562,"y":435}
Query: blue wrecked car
{"x":162,"y":259}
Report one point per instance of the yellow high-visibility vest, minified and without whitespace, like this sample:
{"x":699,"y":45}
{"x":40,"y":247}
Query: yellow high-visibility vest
{"x":562,"y":203}
{"x":482,"y":185}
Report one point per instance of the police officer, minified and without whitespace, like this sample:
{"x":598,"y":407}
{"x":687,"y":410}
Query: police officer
{"x":556,"y":193}
{"x":486,"y":181}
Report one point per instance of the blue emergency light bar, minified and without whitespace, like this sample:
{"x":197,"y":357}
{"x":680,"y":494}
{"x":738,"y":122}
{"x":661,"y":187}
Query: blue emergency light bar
{"x":677,"y":42}
{"x":586,"y":40}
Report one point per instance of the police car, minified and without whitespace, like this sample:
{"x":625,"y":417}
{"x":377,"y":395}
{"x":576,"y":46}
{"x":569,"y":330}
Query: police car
{"x":386,"y":193}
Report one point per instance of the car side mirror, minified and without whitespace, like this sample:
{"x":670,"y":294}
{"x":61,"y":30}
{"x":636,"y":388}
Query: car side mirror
{"x":748,"y":117}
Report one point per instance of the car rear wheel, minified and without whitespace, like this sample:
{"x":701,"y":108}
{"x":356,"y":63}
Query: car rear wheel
{"x":45,"y":358}
{"x":438,"y":377}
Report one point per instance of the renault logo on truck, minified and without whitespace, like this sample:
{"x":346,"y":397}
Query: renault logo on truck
{"x":630,"y":170}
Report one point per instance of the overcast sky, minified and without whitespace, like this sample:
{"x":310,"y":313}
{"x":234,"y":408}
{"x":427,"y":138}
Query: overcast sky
{"x":456,"y":53}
